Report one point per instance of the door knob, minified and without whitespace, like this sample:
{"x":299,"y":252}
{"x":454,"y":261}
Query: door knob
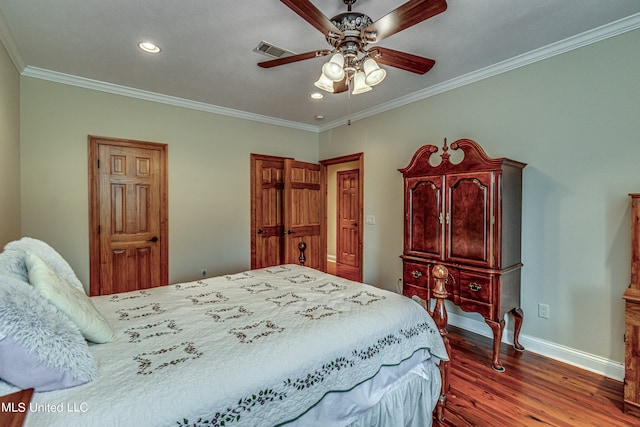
{"x":260,"y":231}
{"x":154,"y":239}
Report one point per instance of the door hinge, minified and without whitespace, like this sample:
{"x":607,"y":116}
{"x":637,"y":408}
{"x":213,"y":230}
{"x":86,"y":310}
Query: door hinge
{"x":99,"y":229}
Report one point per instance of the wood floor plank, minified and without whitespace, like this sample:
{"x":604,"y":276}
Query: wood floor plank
{"x":534,"y":390}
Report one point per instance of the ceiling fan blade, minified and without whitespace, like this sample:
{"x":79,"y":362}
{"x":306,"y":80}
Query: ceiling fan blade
{"x":294,"y":58}
{"x":405,"y":61}
{"x":408,"y":14}
{"x":313,"y":16}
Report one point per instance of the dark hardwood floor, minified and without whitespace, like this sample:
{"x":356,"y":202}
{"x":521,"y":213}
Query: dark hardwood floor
{"x":534,"y":390}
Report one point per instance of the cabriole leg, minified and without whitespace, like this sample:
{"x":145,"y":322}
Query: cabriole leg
{"x":497,"y":328}
{"x":518,"y":317}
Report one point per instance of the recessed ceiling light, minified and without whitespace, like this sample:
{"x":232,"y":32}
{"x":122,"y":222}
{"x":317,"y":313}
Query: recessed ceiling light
{"x":319,"y":117}
{"x":317,"y":95}
{"x":149,"y":47}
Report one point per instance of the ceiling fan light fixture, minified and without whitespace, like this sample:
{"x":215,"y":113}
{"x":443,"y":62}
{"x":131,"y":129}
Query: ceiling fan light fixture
{"x":334,"y":69}
{"x":349,"y":34}
{"x":374,"y":74}
{"x":359,"y":85}
{"x":324,"y":83}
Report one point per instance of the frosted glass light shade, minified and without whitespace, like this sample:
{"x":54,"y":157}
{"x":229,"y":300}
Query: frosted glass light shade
{"x":324,"y":83}
{"x":334,"y":69}
{"x":374,"y":74}
{"x":359,"y":86}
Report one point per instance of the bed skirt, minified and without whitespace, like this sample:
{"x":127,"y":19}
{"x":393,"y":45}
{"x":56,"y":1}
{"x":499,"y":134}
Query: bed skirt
{"x":408,"y":401}
{"x":409,"y":405}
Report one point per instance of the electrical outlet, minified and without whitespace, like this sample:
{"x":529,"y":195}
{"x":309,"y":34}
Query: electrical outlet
{"x":543,"y":311}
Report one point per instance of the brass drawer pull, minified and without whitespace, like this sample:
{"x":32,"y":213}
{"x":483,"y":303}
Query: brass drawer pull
{"x":416,"y":274}
{"x":475,"y":287}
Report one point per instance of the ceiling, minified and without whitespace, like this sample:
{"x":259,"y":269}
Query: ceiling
{"x":208,"y":59}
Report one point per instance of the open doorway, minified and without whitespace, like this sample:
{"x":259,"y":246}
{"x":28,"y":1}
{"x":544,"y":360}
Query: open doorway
{"x":344,"y":177}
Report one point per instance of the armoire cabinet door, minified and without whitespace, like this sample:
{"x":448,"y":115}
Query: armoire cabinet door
{"x":469,"y":211}
{"x":424,"y":224}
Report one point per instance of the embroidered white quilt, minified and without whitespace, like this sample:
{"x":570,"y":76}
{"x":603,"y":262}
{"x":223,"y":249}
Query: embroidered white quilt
{"x":258,"y":348}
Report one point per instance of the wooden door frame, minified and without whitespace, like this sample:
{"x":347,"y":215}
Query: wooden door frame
{"x":359,"y":157}
{"x":94,"y":204}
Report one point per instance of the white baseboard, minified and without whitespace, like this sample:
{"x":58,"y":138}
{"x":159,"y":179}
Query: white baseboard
{"x":590,"y":362}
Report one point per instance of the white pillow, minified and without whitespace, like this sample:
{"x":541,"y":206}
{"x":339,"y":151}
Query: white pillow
{"x":69,"y":300}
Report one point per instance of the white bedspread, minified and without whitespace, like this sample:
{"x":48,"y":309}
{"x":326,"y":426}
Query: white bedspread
{"x":257,"y":348}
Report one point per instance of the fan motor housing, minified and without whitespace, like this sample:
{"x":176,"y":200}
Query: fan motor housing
{"x":351,"y":24}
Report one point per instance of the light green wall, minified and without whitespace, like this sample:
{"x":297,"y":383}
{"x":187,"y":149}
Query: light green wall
{"x":9,"y":149}
{"x":209,"y":206}
{"x":575,"y":119}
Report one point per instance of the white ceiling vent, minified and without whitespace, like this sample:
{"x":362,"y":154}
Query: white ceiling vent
{"x":271,"y":50}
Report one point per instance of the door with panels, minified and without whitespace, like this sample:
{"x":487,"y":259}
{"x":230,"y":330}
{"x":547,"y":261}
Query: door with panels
{"x":347,"y":224}
{"x":304,"y":213}
{"x":287,"y":207}
{"x":267,"y":216}
{"x":128,"y":215}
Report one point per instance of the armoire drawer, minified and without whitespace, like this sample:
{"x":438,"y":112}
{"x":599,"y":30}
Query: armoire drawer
{"x":415,"y":280}
{"x":473,"y":306}
{"x":415,"y":274}
{"x":409,"y":290}
{"x":476,"y":287}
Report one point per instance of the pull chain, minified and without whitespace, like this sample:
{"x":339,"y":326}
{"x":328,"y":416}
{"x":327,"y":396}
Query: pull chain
{"x":348,"y":100}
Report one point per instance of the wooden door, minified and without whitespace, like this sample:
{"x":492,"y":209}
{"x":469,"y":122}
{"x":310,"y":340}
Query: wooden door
{"x":425,"y":217}
{"x":470,"y":218}
{"x":347,"y":218}
{"x":128,"y":218}
{"x":267,"y":210}
{"x":304,"y":213}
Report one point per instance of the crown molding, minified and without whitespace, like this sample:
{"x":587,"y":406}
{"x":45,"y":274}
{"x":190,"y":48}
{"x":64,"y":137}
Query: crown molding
{"x":82,"y":82}
{"x":592,"y":36}
{"x":589,"y":37}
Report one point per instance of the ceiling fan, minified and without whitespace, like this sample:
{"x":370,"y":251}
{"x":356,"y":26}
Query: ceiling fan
{"x":354,"y":63}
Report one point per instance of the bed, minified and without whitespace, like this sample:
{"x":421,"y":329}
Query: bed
{"x":284,"y":345}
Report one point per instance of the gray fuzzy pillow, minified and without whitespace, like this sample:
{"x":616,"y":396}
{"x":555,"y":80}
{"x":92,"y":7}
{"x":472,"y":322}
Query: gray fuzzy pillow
{"x":12,"y":260}
{"x":39,"y":346}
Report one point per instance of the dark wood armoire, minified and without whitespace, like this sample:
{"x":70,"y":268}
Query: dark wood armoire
{"x":632,"y":318}
{"x":466,"y":216}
